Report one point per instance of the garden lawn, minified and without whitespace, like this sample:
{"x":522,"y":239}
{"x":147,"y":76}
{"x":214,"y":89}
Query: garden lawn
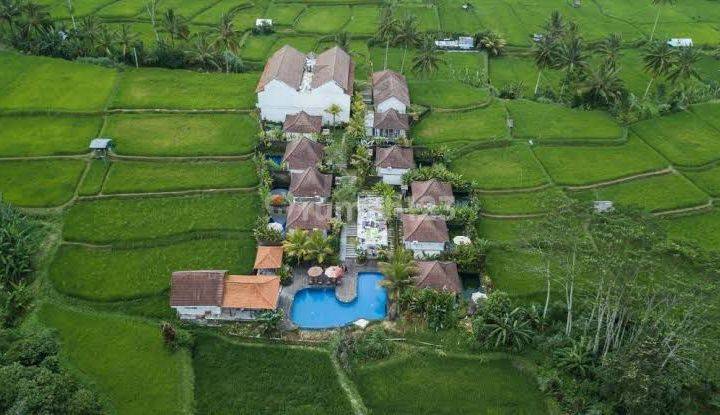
{"x":131,"y":219}
{"x":503,"y":230}
{"x":684,"y":138}
{"x":42,"y":135}
{"x":446,"y":94}
{"x":507,"y":69}
{"x":182,"y":134}
{"x":180,"y":89}
{"x":501,"y":168}
{"x":484,"y":124}
{"x":121,"y":274}
{"x":125,"y":359}
{"x":145,"y":177}
{"x":257,"y":379}
{"x":704,"y":228}
{"x":39,"y":183}
{"x":573,"y":165}
{"x":706,"y":179}
{"x":517,"y":272}
{"x":93,"y":180}
{"x":517,"y":203}
{"x":538,"y":121}
{"x":431,"y":384}
{"x":323,"y":19}
{"x":657,"y":193}
{"x":39,"y":83}
{"x":364,"y":20}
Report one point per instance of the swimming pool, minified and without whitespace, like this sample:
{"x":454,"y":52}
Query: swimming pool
{"x":315,"y":308}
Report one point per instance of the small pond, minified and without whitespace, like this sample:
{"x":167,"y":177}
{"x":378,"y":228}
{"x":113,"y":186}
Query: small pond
{"x":318,"y":308}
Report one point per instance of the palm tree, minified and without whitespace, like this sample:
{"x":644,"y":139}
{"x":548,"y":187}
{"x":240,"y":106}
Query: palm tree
{"x":555,"y":26}
{"x":658,"y":4}
{"x":175,"y":25}
{"x":35,"y":17}
{"x":342,"y":40}
{"x":603,"y":85}
{"x":571,"y":56}
{"x":318,"y":247}
{"x":334,"y":110}
{"x":684,"y":65}
{"x":225,"y":34}
{"x":428,"y":59}
{"x":544,"y":53}
{"x":10,"y":10}
{"x":609,"y":48}
{"x":90,"y":31}
{"x":296,"y":245}
{"x":493,"y":42}
{"x":407,"y":35}
{"x":398,"y":276}
{"x":106,"y":41}
{"x":126,"y":39}
{"x":509,"y":329}
{"x":387,"y":29}
{"x":203,"y":52}
{"x":658,"y":59}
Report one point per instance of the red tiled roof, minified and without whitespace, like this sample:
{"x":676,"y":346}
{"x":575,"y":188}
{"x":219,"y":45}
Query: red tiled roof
{"x":256,"y":292}
{"x":286,"y":65}
{"x":432,"y":191}
{"x":395,"y":157}
{"x":389,"y":84}
{"x":334,"y":65}
{"x":424,"y":228}
{"x":442,"y":276}
{"x":391,"y":120}
{"x":196,"y":288}
{"x":302,"y":122}
{"x":310,"y":183}
{"x":302,"y":153}
{"x":268,"y":257}
{"x":309,"y":216}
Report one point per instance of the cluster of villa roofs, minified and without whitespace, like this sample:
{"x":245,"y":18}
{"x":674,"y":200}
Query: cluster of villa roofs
{"x":295,"y":89}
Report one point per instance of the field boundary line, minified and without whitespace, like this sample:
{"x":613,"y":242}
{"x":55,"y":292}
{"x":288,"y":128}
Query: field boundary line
{"x":178,"y":111}
{"x":162,"y":241}
{"x":687,"y":210}
{"x":39,"y":158}
{"x":512,"y":216}
{"x":515,"y":190}
{"x":662,"y":172}
{"x":120,"y":157}
{"x":168,"y":193}
{"x":349,"y":388}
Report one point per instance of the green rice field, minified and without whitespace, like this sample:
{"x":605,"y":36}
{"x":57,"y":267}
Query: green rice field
{"x":501,"y":168}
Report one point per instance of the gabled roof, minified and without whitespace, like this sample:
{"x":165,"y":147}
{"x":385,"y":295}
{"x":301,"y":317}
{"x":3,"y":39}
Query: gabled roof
{"x":257,"y":292}
{"x":309,"y":216}
{"x":100,"y":143}
{"x":286,"y":65}
{"x":424,"y":228}
{"x":310,"y":183}
{"x":302,"y":153}
{"x":334,"y":65}
{"x":268,"y":257}
{"x":197,"y":288}
{"x":395,"y":157}
{"x":302,"y":122}
{"x":432,"y":191}
{"x":389,"y":84}
{"x":391,"y":120}
{"x":442,"y":276}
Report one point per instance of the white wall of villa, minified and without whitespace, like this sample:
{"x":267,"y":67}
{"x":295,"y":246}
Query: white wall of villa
{"x":277,"y":100}
{"x":192,"y":313}
{"x":389,"y":103}
{"x":391,"y":176}
{"x":424,"y":249}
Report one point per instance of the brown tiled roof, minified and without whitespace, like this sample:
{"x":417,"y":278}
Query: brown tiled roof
{"x":388,"y":84}
{"x":395,"y":157}
{"x":196,"y":288}
{"x":310,"y":183}
{"x":286,"y":65}
{"x":257,"y":292}
{"x":309,"y":216}
{"x":334,"y":65}
{"x":268,"y":257}
{"x":424,"y":228}
{"x":302,"y":153}
{"x":302,"y":122}
{"x":439,"y":275}
{"x":432,"y":191}
{"x":391,"y":120}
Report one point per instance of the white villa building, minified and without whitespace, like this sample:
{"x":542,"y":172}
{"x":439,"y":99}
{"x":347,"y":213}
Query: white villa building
{"x":293,"y":82}
{"x":391,"y":99}
{"x":392,"y":162}
{"x":425,"y":235}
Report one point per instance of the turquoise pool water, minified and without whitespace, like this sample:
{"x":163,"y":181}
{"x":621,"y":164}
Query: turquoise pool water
{"x":318,"y":308}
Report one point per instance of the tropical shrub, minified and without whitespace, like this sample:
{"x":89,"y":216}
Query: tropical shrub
{"x":437,"y":308}
{"x":269,"y":321}
{"x":18,"y":242}
{"x":353,"y":348}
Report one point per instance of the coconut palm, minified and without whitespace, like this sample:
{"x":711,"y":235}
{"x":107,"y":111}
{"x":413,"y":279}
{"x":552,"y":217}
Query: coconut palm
{"x":296,"y":245}
{"x":603,"y":86}
{"x":203,"y":52}
{"x":174,"y":25}
{"x":428,"y":59}
{"x":105,"y":41}
{"x":90,"y":28}
{"x":658,"y":59}
{"x":334,"y":110}
{"x":659,"y":4}
{"x":342,"y":40}
{"x":319,"y":248}
{"x":684,"y":66}
{"x":10,"y":10}
{"x":610,"y":48}
{"x":407,"y":35}
{"x":571,"y":56}
{"x":555,"y":26}
{"x":225,"y":34}
{"x":398,"y":274}
{"x":544,"y":53}
{"x":125,"y":39}
{"x":35,"y":17}
{"x":493,"y":42}
{"x":387,"y":29}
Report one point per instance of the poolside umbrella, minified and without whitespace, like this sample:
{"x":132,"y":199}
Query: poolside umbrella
{"x":315,"y":271}
{"x":334,"y":272}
